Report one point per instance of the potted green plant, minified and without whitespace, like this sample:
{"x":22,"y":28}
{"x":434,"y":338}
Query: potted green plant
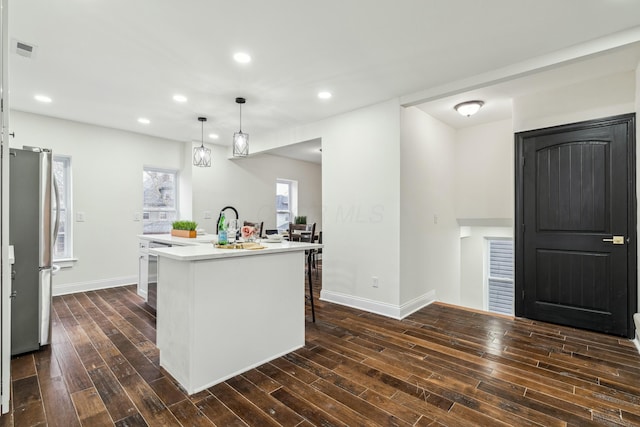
{"x":302,"y":219}
{"x":184,"y":229}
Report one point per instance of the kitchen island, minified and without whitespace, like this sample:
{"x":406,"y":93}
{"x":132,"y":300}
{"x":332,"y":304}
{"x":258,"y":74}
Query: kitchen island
{"x":221,"y":312}
{"x":148,"y":264}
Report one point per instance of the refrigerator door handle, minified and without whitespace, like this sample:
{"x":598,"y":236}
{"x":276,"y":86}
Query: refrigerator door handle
{"x":56,"y":225}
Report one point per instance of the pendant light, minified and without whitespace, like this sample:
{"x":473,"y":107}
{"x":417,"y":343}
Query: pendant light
{"x":240,"y":139}
{"x":202,"y":154}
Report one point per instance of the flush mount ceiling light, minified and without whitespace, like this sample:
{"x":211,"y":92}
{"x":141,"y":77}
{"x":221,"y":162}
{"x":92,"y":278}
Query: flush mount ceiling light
{"x":468,"y":108}
{"x":144,"y":121}
{"x":179,"y":98}
{"x":202,"y":154}
{"x":240,"y":139}
{"x":324,"y":95}
{"x":214,"y":136}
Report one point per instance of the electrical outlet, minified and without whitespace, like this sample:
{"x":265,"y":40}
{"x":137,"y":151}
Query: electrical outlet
{"x":435,"y":219}
{"x":374,"y":281}
{"x":79,"y":216}
{"x":137,"y":216}
{"x":207,"y":214}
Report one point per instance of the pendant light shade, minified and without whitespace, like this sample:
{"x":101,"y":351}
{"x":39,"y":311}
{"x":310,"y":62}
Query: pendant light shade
{"x":240,"y":139}
{"x":202,"y":154}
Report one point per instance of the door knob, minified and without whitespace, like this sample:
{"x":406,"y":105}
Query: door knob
{"x":616,"y":240}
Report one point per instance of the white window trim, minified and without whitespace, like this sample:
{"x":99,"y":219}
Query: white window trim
{"x":177,"y":189}
{"x":293,"y":198}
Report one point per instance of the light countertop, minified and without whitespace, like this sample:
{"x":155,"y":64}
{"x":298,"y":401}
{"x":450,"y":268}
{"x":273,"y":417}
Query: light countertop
{"x":197,"y":252}
{"x":179,"y":241}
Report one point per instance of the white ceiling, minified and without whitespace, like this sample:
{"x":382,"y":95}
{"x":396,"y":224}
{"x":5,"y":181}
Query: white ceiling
{"x":498,"y":97}
{"x":109,"y":62}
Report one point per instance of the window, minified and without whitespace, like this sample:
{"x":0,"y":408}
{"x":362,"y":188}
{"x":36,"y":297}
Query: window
{"x":286,"y":203}
{"x":500,"y":277}
{"x":160,"y":200}
{"x":62,"y":175}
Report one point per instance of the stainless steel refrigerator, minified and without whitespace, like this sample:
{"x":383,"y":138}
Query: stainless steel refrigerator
{"x":32,"y":231}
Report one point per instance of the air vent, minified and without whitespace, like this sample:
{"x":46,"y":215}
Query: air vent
{"x":23,"y":49}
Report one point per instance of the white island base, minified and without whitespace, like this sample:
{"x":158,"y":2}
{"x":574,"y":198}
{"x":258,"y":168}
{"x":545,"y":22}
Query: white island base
{"x":219,"y":317}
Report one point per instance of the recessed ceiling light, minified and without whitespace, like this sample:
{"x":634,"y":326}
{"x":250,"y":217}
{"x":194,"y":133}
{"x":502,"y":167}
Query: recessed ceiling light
{"x":144,"y":121}
{"x":214,"y":136}
{"x":242,"y":57}
{"x":179,"y":98}
{"x":324,"y":95}
{"x":43,"y":98}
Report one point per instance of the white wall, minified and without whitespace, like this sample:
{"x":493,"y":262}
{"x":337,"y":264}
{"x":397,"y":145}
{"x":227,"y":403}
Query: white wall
{"x":361,"y":182}
{"x":484,"y":176}
{"x":249,"y":185}
{"x":429,"y":234}
{"x":484,"y":197}
{"x":593,"y":99}
{"x":107,"y":186}
{"x":361,"y":203}
{"x":473,"y":263}
{"x":107,"y":169}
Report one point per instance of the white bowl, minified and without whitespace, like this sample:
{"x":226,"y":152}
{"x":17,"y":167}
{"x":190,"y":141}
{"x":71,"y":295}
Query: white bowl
{"x":274,"y":237}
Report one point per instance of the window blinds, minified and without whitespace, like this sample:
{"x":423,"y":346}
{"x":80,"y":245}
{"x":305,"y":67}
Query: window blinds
{"x":500,"y":278}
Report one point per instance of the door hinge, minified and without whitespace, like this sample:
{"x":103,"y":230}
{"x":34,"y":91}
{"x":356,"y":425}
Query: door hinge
{"x":523,"y":294}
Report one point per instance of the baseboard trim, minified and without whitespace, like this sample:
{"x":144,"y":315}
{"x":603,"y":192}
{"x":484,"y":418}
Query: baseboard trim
{"x":72,"y":288}
{"x":397,"y":312}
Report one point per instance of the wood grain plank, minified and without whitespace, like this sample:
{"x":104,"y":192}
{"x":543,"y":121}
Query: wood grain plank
{"x":372,"y":412}
{"x":142,"y":365}
{"x":242,"y":407}
{"x":188,"y":414}
{"x":321,"y":401}
{"x":262,"y":381}
{"x":442,"y":365}
{"x":315,"y":416}
{"x":22,"y":366}
{"x":58,"y":405}
{"x":91,"y":410}
{"x":167,"y":391}
{"x":217,"y":412}
{"x":26,"y":391}
{"x":270,"y":406}
{"x":112,"y":394}
{"x":148,"y":403}
{"x":31,"y":414}
{"x":71,"y":366}
{"x":135,"y":420}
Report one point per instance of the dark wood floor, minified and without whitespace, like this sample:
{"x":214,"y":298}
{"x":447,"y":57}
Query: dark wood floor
{"x":441,"y":366}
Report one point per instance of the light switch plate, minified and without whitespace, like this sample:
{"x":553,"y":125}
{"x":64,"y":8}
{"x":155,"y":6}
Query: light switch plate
{"x":79,"y":216}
